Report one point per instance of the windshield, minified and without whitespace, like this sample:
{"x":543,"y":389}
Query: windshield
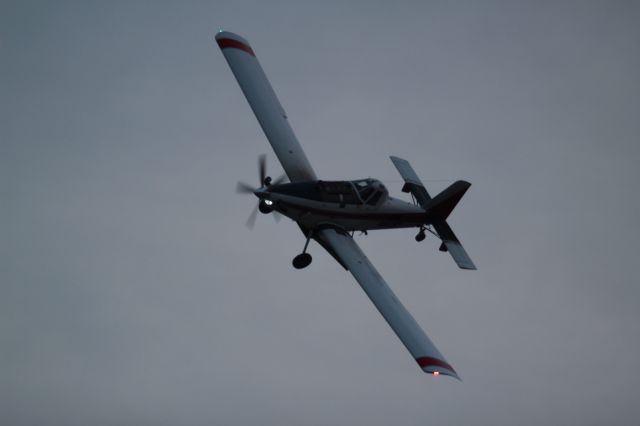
{"x":364,"y":188}
{"x":370,"y":191}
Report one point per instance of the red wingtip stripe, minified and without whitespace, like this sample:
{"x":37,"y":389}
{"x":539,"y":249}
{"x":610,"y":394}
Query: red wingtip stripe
{"x":235,"y":44}
{"x":427,"y":361}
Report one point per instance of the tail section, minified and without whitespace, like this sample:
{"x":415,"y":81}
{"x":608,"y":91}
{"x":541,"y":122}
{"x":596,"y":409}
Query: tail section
{"x":438,"y":209}
{"x":441,"y":206}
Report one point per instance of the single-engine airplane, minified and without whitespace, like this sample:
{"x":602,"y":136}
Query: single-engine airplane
{"x":331,"y":211}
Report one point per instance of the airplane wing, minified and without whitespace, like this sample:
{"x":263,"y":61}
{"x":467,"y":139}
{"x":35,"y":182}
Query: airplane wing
{"x":406,"y":328}
{"x":265,"y":106}
{"x":273,"y":120}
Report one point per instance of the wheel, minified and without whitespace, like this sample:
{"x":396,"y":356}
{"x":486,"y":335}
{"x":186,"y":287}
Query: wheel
{"x":421,"y":236}
{"x":301,"y":261}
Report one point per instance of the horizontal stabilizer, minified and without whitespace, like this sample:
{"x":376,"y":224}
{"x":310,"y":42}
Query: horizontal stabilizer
{"x":412,"y":181}
{"x":405,"y":170}
{"x":451,"y":244}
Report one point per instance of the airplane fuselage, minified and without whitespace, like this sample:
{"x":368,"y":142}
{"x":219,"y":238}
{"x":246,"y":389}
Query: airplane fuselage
{"x":347,"y":205}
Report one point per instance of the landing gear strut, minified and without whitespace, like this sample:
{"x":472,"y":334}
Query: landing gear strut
{"x":421,"y":235}
{"x":303,"y":259}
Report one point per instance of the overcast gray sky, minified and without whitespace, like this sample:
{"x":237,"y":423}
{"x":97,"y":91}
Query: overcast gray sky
{"x":131,"y":293}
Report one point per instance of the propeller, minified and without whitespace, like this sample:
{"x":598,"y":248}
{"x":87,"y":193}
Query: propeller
{"x":265,"y":181}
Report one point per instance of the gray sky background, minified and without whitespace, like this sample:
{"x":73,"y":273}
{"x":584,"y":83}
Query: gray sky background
{"x":131,"y":293}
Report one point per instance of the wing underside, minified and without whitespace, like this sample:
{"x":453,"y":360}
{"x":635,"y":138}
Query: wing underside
{"x":406,"y":328}
{"x":265,"y":105}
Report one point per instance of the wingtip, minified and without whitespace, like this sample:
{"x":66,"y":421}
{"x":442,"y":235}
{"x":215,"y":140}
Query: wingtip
{"x":223,"y":34}
{"x":437,"y":367}
{"x":227,"y":39}
{"x":436,"y":372}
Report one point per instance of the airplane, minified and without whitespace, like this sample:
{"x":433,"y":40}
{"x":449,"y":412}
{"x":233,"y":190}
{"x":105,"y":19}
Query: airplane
{"x":330,"y":212}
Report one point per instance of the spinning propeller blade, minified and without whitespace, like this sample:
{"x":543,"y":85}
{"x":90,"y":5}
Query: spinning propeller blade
{"x":265,"y":181}
{"x":244,"y":188}
{"x":251,"y":221}
{"x":262,"y":167}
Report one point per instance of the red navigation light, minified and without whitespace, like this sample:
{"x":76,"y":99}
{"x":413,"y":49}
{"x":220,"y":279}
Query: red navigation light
{"x":436,"y":373}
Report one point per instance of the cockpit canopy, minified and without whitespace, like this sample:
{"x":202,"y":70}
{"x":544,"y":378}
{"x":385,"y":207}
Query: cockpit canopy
{"x":363,"y":191}
{"x":369,"y":192}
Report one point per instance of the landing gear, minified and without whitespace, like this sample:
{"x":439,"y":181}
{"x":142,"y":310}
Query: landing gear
{"x":421,"y":235}
{"x":303,"y":259}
